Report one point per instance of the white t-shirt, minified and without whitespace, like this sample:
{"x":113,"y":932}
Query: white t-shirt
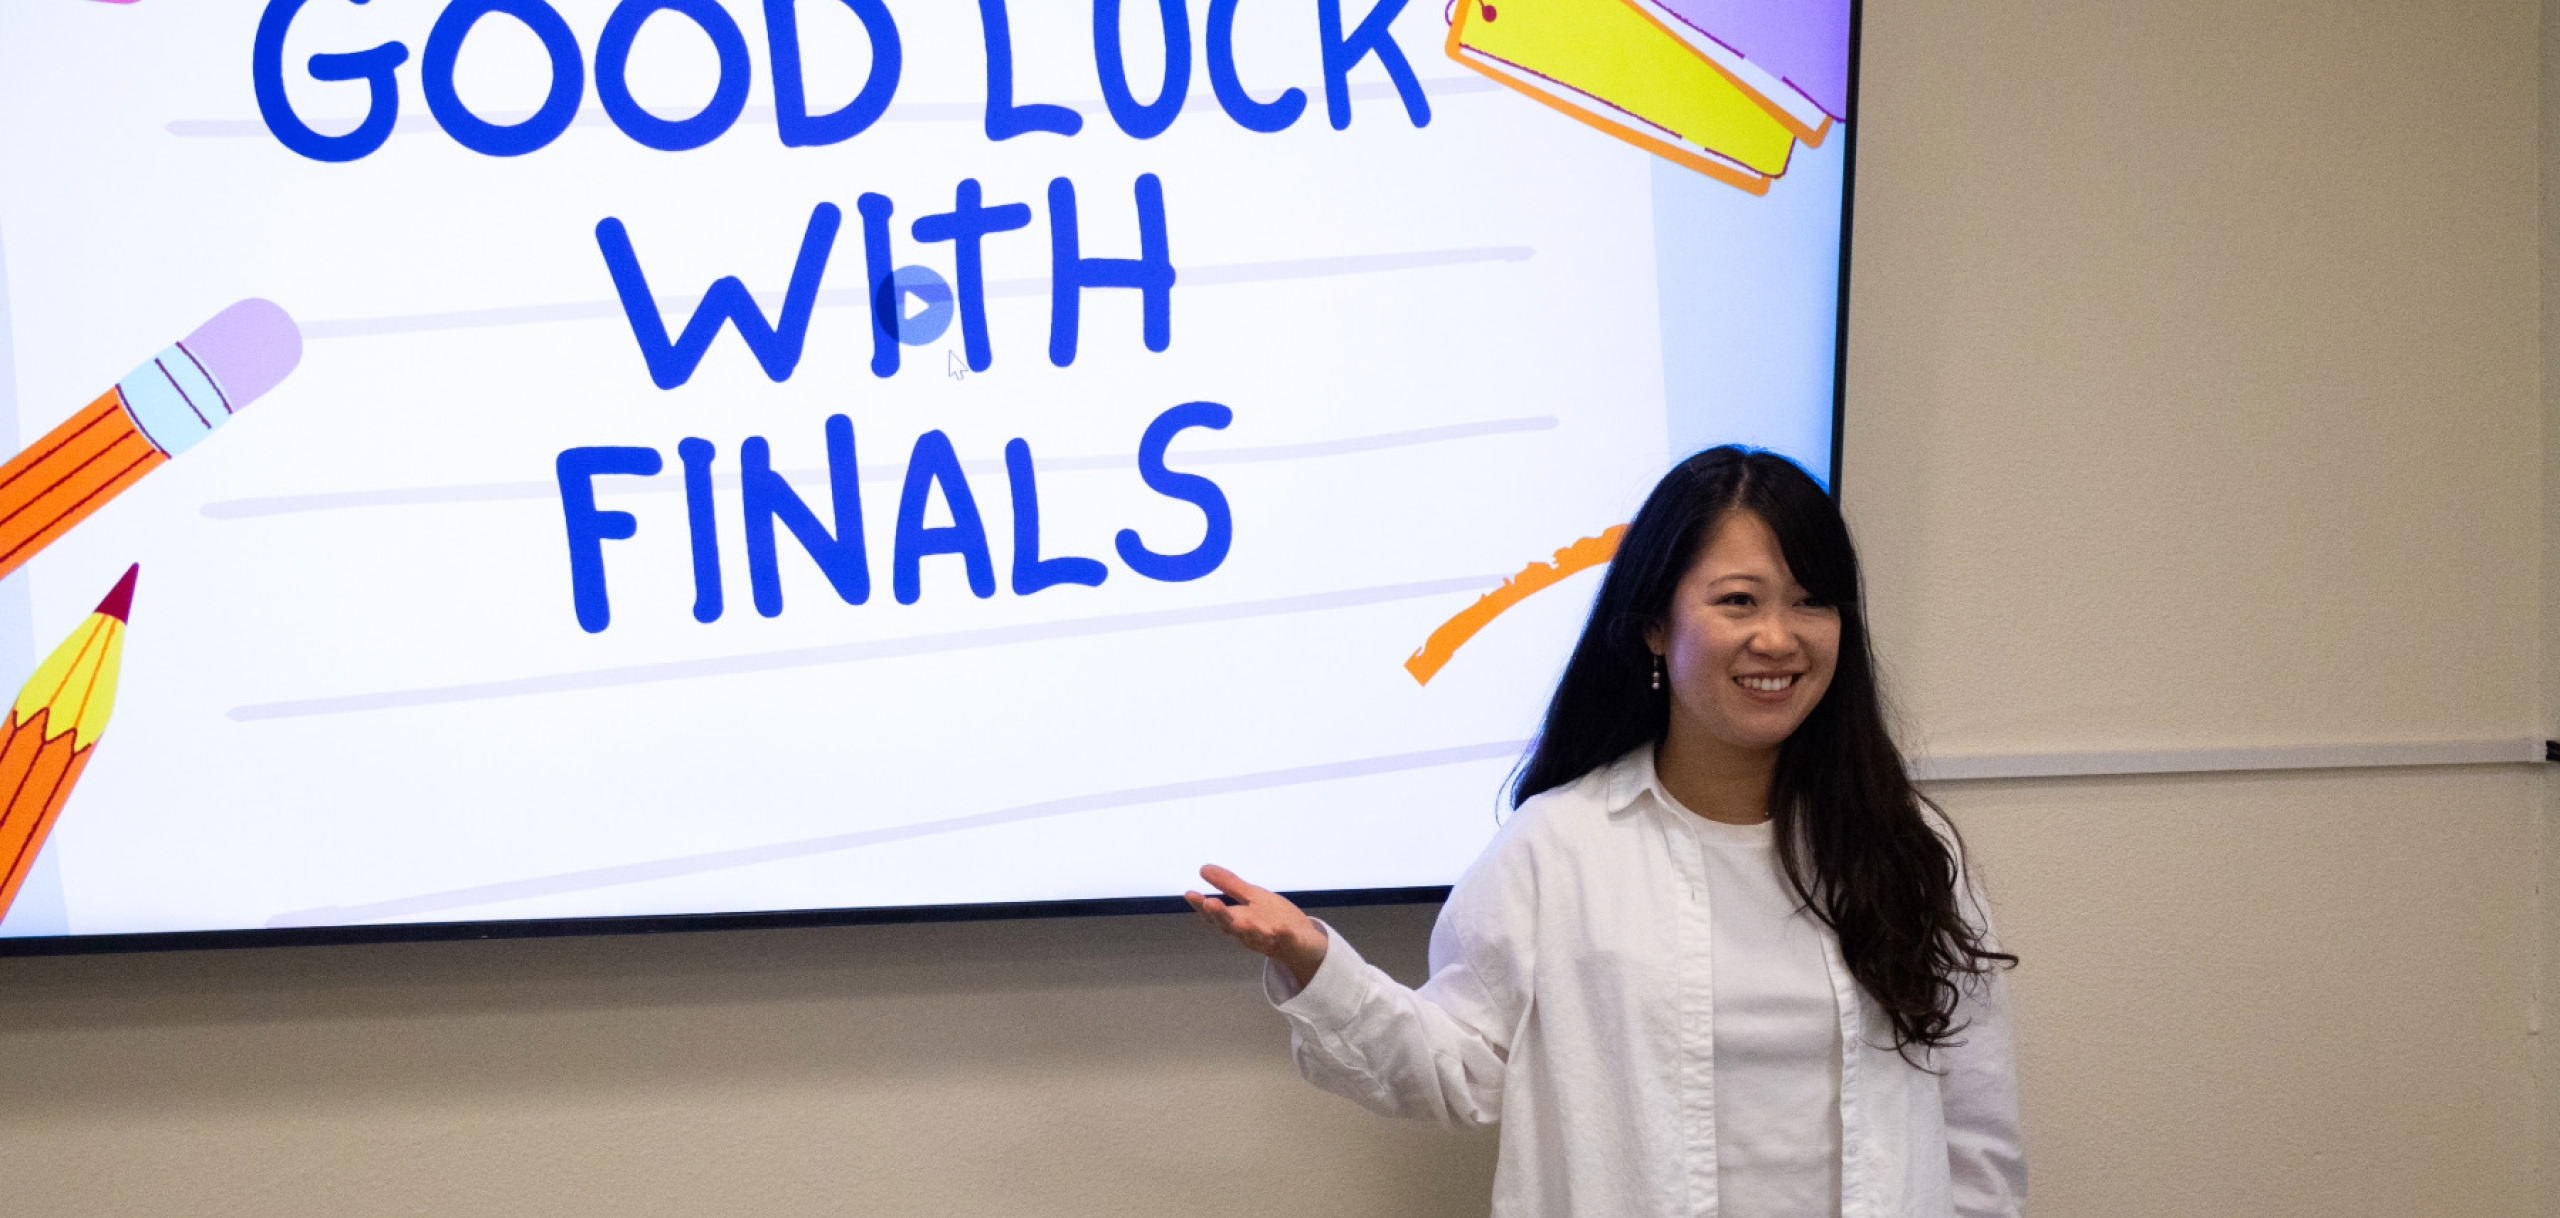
{"x":1777,"y":1037}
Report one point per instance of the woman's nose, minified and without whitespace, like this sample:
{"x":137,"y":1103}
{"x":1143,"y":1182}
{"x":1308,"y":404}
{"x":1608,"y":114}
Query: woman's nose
{"x":1773,"y":638}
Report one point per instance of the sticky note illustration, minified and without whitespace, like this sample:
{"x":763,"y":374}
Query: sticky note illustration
{"x":52,"y":729}
{"x":161,"y":409}
{"x":1803,"y":44}
{"x":1611,"y":65}
{"x":1445,"y":641}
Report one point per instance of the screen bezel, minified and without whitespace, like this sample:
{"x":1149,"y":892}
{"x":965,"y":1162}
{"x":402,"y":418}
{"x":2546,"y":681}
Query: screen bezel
{"x":651,"y":924}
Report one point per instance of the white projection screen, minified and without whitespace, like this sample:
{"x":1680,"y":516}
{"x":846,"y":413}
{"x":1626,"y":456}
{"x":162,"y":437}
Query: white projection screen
{"x":492,"y":467}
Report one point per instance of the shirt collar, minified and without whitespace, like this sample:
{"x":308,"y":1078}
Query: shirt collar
{"x":1623,"y":780}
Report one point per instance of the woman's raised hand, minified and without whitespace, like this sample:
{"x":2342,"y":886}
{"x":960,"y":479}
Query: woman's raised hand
{"x":1263,"y":921}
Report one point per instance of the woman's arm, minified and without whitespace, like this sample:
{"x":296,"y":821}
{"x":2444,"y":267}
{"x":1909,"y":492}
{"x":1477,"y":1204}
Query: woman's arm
{"x":1986,"y":1164}
{"x":1437,"y":1053}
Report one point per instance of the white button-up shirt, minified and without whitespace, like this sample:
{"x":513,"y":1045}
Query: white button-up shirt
{"x":1571,"y":1001}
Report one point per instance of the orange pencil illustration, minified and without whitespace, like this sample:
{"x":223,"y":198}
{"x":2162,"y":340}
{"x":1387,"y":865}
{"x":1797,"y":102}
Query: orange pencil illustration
{"x":1444,"y":642}
{"x":173,"y":400}
{"x":51,"y":730}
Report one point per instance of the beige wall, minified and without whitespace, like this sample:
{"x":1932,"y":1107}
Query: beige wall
{"x":2193,"y":370}
{"x":2547,"y":890}
{"x":1094,"y":1067}
{"x":2195,"y":400}
{"x":2271,"y":994}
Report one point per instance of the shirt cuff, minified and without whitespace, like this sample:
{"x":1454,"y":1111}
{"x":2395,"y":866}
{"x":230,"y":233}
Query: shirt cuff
{"x":1331,"y":996}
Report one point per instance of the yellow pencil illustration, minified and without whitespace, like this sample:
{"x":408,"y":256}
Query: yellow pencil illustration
{"x":51,"y":730}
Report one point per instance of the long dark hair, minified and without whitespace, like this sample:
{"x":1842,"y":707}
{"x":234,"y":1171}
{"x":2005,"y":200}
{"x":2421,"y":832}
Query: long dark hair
{"x":1851,"y":833}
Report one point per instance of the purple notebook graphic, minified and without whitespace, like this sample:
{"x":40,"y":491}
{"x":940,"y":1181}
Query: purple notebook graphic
{"x":1802,"y":42}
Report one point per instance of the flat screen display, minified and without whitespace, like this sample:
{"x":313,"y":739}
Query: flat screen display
{"x":487,"y":465}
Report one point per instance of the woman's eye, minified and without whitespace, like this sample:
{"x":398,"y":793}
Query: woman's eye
{"x":1741,"y":599}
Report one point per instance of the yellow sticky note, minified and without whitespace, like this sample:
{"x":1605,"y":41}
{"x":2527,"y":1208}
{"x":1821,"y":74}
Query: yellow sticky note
{"x":1616,"y":68}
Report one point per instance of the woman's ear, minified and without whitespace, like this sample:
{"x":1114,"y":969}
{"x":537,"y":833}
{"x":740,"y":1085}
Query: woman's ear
{"x":1655,"y":640}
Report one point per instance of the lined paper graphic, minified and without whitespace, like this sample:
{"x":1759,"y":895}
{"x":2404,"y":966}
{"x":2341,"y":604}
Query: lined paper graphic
{"x":616,"y":546}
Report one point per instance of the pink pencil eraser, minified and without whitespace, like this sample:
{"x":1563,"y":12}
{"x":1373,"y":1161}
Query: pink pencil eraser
{"x":246,"y":349}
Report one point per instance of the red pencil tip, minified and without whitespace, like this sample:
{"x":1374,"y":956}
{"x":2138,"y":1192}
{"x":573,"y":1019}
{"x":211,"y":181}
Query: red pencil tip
{"x":119,"y":603}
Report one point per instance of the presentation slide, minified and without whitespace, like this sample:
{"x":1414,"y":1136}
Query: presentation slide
{"x":481,"y":460}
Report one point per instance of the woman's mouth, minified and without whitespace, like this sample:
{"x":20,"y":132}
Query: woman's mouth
{"x":1767,"y":684}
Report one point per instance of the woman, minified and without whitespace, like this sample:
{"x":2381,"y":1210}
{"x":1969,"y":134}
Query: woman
{"x":1724,"y":959}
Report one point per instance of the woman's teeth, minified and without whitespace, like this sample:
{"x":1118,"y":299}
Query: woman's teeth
{"x":1766,"y":685}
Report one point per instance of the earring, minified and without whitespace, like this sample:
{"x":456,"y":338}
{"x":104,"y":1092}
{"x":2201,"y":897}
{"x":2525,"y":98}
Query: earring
{"x":1657,"y":674}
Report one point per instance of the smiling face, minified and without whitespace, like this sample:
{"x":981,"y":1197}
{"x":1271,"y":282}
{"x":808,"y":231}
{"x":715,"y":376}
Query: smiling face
{"x":1748,"y":651}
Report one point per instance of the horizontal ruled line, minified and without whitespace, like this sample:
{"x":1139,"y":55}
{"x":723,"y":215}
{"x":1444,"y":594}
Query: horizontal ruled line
{"x":497,"y":492}
{"x":850,"y":653}
{"x":722,"y":860}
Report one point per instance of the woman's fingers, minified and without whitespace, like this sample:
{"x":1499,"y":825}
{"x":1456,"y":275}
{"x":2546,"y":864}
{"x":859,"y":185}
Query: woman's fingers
{"x":1239,"y":923}
{"x":1228,"y":919}
{"x":1230,"y":885}
{"x":1215,"y":912}
{"x":1258,"y":919}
